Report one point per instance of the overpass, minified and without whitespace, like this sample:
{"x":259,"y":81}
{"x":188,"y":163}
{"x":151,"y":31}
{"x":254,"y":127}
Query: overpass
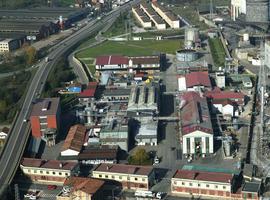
{"x":19,"y":134}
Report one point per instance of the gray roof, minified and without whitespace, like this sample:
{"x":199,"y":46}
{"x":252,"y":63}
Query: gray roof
{"x":116,"y":92}
{"x":251,"y":187}
{"x":45,"y":107}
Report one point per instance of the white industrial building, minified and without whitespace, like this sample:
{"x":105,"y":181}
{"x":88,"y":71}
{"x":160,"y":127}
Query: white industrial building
{"x":167,"y":15}
{"x":220,"y":79}
{"x":197,"y":132}
{"x":147,"y":134}
{"x":238,"y":7}
{"x":226,"y":107}
{"x":142,"y":17}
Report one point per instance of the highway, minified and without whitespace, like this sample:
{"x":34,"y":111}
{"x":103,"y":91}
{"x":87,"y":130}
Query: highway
{"x":17,"y":139}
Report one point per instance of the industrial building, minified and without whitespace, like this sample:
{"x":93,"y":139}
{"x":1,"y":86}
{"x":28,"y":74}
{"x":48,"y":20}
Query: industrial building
{"x":142,"y":17}
{"x":156,"y":19}
{"x":192,"y":39}
{"x":194,"y":81}
{"x":130,"y":176}
{"x":8,"y":45}
{"x":45,"y":119}
{"x":143,"y":101}
{"x":147,"y":133}
{"x":238,"y":7}
{"x":197,"y":132}
{"x":186,"y":55}
{"x":48,"y":171}
{"x":167,"y":15}
{"x":74,"y":141}
{"x":115,"y":132}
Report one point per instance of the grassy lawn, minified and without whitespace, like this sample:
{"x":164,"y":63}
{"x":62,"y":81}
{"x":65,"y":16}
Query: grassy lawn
{"x":132,"y":48}
{"x":217,"y":51}
{"x":159,"y":33}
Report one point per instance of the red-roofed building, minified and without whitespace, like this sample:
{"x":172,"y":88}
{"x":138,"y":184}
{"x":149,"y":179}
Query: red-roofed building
{"x":236,"y":97}
{"x":111,"y":62}
{"x":203,"y":183}
{"x":88,"y":94}
{"x":48,"y":171}
{"x":130,"y":176}
{"x":197,"y":131}
{"x":194,"y":81}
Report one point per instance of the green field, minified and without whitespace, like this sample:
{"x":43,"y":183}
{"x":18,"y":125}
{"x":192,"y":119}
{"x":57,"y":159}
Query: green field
{"x":217,"y":51}
{"x":132,"y":48}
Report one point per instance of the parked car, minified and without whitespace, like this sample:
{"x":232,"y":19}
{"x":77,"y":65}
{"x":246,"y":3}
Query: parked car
{"x":52,"y":187}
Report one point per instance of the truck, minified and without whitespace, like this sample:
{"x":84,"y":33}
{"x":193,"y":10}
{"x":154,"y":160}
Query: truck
{"x":143,"y":193}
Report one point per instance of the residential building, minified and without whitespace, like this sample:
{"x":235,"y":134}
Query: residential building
{"x":142,"y":17}
{"x":45,"y":118}
{"x":115,"y":133}
{"x":79,"y":188}
{"x":48,"y":171}
{"x":7,"y":45}
{"x":203,"y":183}
{"x":147,"y":133}
{"x":217,"y":94}
{"x":99,"y":154}
{"x":143,"y":101}
{"x":74,"y":141}
{"x":130,"y":176}
{"x":197,"y":131}
{"x":194,"y":81}
{"x":167,"y":15}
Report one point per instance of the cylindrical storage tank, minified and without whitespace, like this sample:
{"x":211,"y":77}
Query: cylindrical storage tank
{"x":245,"y":37}
{"x":257,"y":11}
{"x":186,"y":55}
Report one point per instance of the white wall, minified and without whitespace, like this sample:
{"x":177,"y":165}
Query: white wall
{"x":182,"y":84}
{"x":69,"y":152}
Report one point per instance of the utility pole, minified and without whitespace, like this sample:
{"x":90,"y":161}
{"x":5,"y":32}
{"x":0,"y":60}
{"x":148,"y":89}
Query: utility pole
{"x":211,"y":9}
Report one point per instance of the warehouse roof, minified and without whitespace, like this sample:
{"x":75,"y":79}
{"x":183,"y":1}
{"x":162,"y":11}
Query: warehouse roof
{"x":111,"y":60}
{"x":87,"y":185}
{"x":103,"y":152}
{"x":45,"y":107}
{"x":145,"y":59}
{"x":124,"y":169}
{"x":89,"y":91}
{"x":75,"y":138}
{"x":198,"y":79}
{"x":48,"y":164}
{"x":204,"y":176}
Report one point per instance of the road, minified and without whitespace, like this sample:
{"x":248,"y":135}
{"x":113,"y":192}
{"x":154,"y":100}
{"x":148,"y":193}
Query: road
{"x":17,"y":139}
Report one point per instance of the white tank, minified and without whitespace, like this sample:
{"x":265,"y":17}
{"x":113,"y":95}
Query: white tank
{"x":245,"y":37}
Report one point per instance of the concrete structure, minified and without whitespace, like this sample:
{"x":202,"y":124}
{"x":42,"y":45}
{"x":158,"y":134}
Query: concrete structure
{"x":191,"y":37}
{"x":82,"y":188}
{"x":8,"y":45}
{"x":74,"y":141}
{"x":48,"y":171}
{"x":202,"y":183}
{"x":115,"y":133}
{"x":147,"y":133}
{"x":143,"y":101}
{"x":142,"y":17}
{"x":220,"y":79}
{"x":257,"y":11}
{"x":186,"y":55}
{"x":169,"y":17}
{"x":194,"y":81}
{"x":197,"y":132}
{"x":238,"y":7}
{"x":130,"y":176}
{"x":155,"y":18}
{"x":45,"y":116}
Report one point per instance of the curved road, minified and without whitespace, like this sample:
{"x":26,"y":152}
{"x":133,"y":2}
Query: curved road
{"x":17,"y":139}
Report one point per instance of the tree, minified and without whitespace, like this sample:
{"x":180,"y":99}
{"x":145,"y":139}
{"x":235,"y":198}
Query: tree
{"x":30,"y":54}
{"x":140,"y":158}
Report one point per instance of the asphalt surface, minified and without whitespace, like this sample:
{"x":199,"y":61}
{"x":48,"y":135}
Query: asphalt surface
{"x":16,"y":142}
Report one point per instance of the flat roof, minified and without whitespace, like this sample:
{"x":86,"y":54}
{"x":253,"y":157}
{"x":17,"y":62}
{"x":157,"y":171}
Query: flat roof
{"x":39,"y":110}
{"x":124,"y":169}
{"x":209,"y":169}
{"x":117,"y":91}
{"x":251,"y":187}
